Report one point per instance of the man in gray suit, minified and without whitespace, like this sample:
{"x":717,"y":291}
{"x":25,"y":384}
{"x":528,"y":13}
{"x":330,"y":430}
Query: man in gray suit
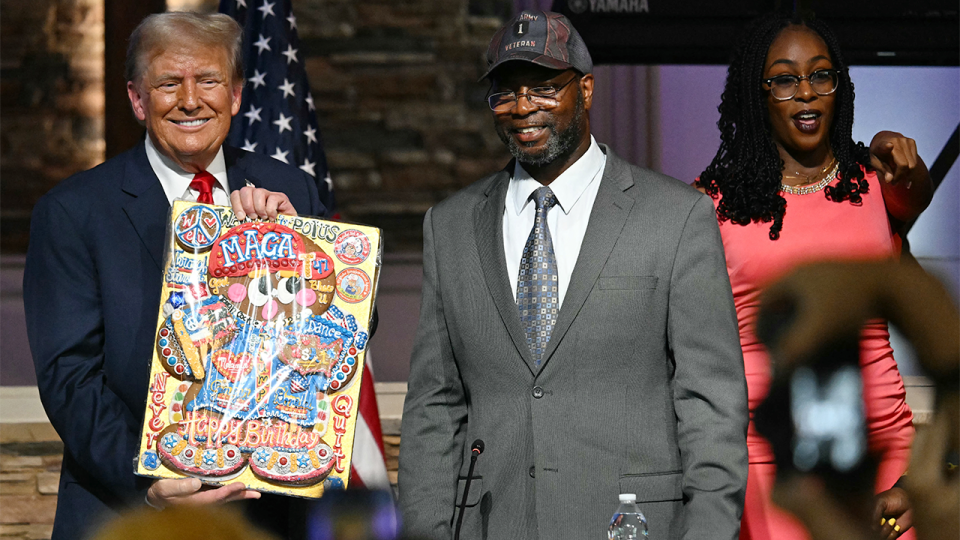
{"x":577,"y":317}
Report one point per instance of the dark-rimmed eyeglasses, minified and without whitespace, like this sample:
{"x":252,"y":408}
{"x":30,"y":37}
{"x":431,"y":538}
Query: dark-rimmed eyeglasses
{"x":784,"y":87}
{"x":544,"y":97}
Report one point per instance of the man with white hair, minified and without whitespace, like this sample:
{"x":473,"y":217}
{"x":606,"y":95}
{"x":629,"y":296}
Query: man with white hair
{"x":94,"y":266}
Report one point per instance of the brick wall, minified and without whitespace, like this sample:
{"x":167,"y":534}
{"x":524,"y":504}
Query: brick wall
{"x":51,"y":102}
{"x":30,"y":456}
{"x":401,"y":113}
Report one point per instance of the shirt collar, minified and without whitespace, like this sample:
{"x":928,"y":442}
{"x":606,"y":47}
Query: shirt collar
{"x":568,"y":187}
{"x":171,"y":174}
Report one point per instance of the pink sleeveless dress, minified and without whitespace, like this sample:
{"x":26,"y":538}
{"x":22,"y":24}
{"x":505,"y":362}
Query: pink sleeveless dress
{"x":815,"y":228}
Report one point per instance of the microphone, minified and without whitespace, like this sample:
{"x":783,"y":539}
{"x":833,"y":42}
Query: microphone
{"x":475,"y":452}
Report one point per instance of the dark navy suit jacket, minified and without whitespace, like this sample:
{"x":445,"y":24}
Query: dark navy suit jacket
{"x":92,"y":292}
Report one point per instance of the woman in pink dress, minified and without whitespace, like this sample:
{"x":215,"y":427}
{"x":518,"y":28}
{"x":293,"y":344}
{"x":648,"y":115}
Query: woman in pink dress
{"x":790,"y":185}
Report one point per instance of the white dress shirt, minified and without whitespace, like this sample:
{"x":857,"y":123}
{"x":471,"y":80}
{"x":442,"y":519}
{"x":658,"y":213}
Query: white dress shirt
{"x":576,"y":189}
{"x":176,"y":181}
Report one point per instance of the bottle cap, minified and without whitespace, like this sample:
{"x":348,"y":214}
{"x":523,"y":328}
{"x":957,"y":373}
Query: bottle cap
{"x":628,"y":497}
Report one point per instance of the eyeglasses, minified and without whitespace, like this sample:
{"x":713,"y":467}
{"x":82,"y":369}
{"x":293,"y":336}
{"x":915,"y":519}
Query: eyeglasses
{"x":544,"y":97}
{"x":784,"y":87}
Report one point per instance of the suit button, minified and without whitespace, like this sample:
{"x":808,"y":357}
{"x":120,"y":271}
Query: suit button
{"x":537,"y":392}
{"x":533,"y":472}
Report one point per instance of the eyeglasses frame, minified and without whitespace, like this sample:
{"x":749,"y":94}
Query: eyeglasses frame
{"x":796,"y":86}
{"x":516,"y":96}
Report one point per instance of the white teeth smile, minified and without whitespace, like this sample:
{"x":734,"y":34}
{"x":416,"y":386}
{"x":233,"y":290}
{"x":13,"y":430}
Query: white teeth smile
{"x":528,"y":130}
{"x":190,"y":123}
{"x":808,"y":116}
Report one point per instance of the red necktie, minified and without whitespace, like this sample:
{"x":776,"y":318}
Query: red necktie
{"x":203,"y":182}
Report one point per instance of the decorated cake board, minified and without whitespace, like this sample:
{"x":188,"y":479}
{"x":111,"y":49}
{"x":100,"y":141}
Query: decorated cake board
{"x":261,"y":335}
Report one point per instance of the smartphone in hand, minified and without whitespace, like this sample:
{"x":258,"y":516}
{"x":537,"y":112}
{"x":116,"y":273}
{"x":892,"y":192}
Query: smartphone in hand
{"x":814,"y":417}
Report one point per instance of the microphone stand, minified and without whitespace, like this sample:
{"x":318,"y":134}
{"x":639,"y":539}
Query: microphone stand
{"x":475,"y":452}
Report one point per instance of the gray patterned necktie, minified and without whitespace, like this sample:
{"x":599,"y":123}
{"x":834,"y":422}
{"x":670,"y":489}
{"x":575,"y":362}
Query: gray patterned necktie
{"x":538,"y":293}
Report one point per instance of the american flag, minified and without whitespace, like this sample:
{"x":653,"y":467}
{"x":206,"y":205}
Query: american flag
{"x":278,"y":118}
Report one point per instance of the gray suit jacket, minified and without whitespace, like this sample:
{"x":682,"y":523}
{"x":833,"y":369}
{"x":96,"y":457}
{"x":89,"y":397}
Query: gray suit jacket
{"x":641,"y":389}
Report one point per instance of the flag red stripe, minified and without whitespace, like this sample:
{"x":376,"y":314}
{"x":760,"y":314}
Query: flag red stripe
{"x":368,"y":408}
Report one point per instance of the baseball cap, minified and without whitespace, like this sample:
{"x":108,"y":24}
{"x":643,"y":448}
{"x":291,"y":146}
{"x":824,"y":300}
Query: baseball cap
{"x":542,"y":37}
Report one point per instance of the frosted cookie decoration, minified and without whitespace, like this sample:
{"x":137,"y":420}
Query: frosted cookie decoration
{"x":353,"y":285}
{"x":262,"y":339}
{"x":150,"y":460}
{"x":352,"y":247}
{"x":269,"y":268}
{"x":197,"y":228}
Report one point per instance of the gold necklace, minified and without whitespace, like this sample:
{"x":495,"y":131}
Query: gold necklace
{"x":812,"y":188}
{"x":810,"y":178}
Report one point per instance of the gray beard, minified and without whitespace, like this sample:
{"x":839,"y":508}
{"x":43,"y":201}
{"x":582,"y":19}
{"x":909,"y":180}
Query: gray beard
{"x":558,"y":145}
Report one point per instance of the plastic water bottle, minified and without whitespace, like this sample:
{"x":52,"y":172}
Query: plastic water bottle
{"x":628,"y":522}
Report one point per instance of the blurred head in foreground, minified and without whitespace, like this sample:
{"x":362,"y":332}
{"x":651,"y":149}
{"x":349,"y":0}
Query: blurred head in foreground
{"x":183,"y":523}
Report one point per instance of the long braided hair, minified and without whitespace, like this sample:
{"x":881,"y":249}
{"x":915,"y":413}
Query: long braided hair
{"x":746,"y":172}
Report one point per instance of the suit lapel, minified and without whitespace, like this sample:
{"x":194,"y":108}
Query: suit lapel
{"x":237,"y":177}
{"x":147,"y":206}
{"x":609,"y":214}
{"x":489,"y":233}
